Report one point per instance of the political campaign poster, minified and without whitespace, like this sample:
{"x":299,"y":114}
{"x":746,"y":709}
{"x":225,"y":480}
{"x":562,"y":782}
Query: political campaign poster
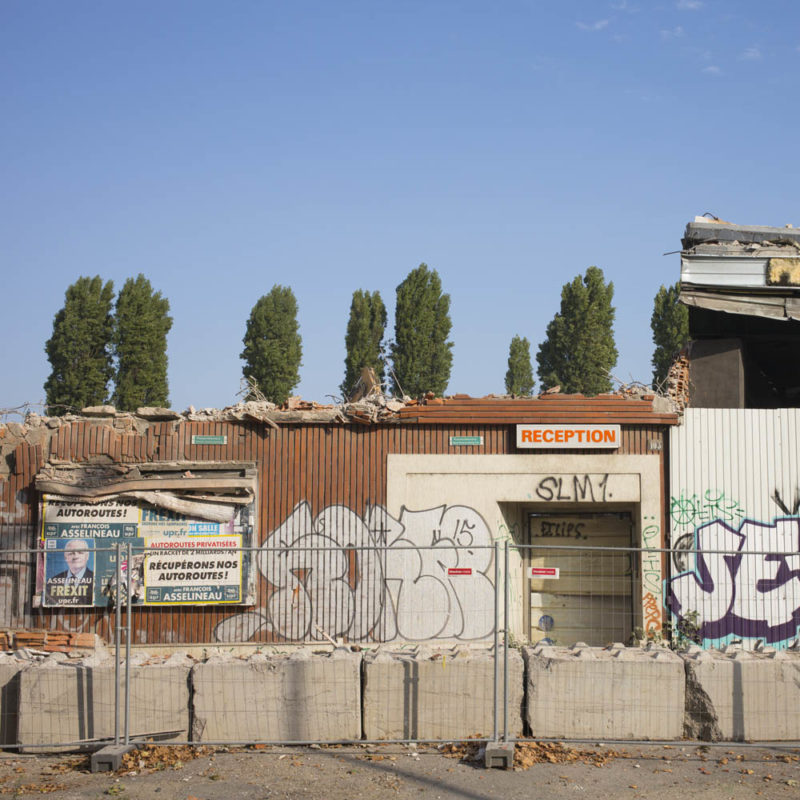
{"x":174,"y":559}
{"x":99,"y":527}
{"x":191,"y":561}
{"x":69,"y":572}
{"x":209,"y":570}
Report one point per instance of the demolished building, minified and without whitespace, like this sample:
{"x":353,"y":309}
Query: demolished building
{"x":735,"y":458}
{"x":742,"y":287}
{"x":375,"y":521}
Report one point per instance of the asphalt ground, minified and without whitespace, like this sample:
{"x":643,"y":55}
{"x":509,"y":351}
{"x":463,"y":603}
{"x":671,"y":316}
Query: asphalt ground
{"x":548,"y":770}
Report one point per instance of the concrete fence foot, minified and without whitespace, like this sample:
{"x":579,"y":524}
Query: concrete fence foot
{"x":109,"y":759}
{"x":500,"y":755}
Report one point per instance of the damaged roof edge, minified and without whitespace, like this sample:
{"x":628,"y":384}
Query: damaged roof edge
{"x":700,"y":232}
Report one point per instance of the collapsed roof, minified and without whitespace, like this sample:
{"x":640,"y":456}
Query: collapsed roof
{"x":749,"y":270}
{"x":742,"y":286}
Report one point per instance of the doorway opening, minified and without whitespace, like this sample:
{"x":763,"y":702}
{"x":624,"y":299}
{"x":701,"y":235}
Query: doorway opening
{"x":580,"y":576}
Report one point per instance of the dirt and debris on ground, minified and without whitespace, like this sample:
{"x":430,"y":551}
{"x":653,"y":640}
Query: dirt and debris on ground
{"x":526,"y":754}
{"x":445,"y":772}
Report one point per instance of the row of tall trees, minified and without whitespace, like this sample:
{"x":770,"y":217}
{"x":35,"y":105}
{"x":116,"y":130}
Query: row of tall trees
{"x":420,"y":354}
{"x":96,"y":341}
{"x":579,"y":351}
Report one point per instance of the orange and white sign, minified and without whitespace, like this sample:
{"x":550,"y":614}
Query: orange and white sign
{"x":569,"y":437}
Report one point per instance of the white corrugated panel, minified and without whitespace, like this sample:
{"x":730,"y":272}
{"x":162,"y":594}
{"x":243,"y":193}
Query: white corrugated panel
{"x":727,"y":464}
{"x":721,"y":271}
{"x":735,"y":489}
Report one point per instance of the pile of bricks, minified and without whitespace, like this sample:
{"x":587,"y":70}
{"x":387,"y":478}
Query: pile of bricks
{"x":678,"y":381}
{"x":47,"y":641}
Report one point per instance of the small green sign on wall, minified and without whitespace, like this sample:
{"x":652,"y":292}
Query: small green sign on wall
{"x":466,"y":441}
{"x":202,"y":439}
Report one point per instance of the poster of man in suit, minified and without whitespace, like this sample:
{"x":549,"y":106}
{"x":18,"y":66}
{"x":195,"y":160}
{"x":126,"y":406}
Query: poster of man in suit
{"x":73,"y":586}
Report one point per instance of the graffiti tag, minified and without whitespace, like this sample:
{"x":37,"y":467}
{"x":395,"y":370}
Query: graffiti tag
{"x":577,"y":488}
{"x":746,"y":581}
{"x":694,"y":509}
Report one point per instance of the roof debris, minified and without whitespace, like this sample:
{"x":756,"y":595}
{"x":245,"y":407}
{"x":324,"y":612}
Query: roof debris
{"x":127,"y":437}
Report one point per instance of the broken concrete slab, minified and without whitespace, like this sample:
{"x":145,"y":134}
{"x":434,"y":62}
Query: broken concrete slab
{"x":615,"y":692}
{"x":741,"y":695}
{"x":157,"y":413}
{"x":67,"y":702}
{"x":443,"y":693}
{"x":99,"y":411}
{"x":303,"y":697}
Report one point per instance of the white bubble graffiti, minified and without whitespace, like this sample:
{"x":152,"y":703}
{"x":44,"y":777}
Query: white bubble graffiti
{"x":375,"y":578}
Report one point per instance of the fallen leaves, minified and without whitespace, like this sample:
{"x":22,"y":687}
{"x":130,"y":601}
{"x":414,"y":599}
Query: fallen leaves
{"x":526,"y":754}
{"x":33,"y":788}
{"x":153,"y":757}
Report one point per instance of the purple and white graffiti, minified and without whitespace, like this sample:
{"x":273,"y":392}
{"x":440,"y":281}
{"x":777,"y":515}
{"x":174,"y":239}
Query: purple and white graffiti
{"x":745,"y":583}
{"x":422,"y":575}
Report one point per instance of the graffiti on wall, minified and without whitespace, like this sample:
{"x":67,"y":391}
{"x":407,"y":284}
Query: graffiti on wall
{"x":692,"y":510}
{"x":652,"y":591}
{"x":422,"y":575}
{"x":745,"y":582}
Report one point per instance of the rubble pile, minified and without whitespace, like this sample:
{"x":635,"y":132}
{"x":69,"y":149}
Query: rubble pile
{"x":47,"y":641}
{"x":678,"y":381}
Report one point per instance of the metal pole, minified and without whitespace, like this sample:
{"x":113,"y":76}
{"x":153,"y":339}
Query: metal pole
{"x":117,"y":634}
{"x":128,"y":628}
{"x":505,"y":647}
{"x":496,"y":633}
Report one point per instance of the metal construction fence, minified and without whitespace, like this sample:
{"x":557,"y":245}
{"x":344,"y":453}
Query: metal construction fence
{"x":399,"y":644}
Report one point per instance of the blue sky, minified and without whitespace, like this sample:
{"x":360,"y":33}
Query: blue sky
{"x":221,"y":148}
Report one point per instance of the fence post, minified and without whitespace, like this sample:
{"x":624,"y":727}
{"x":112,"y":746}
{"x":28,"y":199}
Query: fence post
{"x":497,"y":753}
{"x":496,"y":635}
{"x":128,"y":630}
{"x":109,"y":758}
{"x":505,"y":644}
{"x":117,"y":642}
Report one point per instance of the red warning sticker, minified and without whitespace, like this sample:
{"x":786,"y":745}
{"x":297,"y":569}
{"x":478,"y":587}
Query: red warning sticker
{"x":543,"y":572}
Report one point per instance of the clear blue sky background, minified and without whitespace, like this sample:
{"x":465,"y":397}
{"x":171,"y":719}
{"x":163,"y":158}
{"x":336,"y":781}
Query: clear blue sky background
{"x":221,"y":148}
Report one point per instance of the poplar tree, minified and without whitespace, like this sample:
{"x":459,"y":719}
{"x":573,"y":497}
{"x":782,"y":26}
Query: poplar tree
{"x":579,"y":351}
{"x":364,"y":338}
{"x":421,"y":355}
{"x":519,"y":377}
{"x":670,"y":326}
{"x":141,"y":324}
{"x":272,"y":345}
{"x":79,"y":350}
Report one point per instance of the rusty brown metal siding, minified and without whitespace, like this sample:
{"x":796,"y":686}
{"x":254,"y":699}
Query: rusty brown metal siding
{"x":321,"y":464}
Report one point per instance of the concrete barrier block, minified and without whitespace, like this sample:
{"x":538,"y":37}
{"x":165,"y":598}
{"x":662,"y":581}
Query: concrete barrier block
{"x":445,"y":693}
{"x":615,"y":692}
{"x":739,"y":695}
{"x":303,"y":697}
{"x":65,"y":702}
{"x":10,"y":668}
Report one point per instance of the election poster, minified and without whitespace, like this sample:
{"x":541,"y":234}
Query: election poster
{"x":173,"y":559}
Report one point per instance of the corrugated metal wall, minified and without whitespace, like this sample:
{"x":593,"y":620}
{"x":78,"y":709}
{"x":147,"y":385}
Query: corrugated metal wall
{"x":735,"y":498}
{"x":322,"y":464}
{"x":728,"y":463}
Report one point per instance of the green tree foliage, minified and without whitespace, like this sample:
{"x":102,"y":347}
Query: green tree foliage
{"x":421,"y":355}
{"x":272,"y":345}
{"x":141,"y":324}
{"x":579,"y":351}
{"x":364,"y":338}
{"x":519,"y":377}
{"x":79,"y":350}
{"x":670,"y":325}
